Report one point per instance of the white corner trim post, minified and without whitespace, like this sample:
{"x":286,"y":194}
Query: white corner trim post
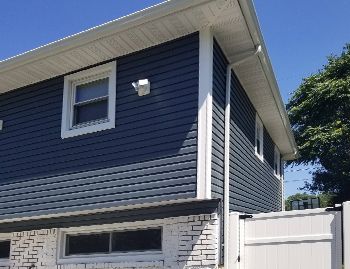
{"x":205,"y":113}
{"x":346,"y":236}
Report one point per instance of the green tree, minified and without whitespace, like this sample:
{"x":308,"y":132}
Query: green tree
{"x":326,"y":199}
{"x":319,"y":111}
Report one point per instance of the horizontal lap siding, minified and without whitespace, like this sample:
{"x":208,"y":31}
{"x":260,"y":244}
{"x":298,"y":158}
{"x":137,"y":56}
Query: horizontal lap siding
{"x":150,"y":155}
{"x":218,"y":157}
{"x":253,"y":186}
{"x":219,"y":93}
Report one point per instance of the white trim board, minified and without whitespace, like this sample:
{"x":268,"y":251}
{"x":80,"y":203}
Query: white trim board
{"x":205,"y":110}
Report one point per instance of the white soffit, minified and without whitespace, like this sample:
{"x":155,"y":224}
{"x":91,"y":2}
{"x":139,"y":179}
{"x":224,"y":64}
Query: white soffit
{"x":233,"y":23}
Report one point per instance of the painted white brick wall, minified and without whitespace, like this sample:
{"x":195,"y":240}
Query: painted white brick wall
{"x":188,"y":242}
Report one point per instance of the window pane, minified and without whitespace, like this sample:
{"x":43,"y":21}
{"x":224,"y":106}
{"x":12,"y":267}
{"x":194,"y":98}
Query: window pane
{"x":5,"y":249}
{"x":139,"y":240}
{"x":258,"y":146}
{"x":91,"y":112}
{"x":91,"y":90}
{"x":87,"y":244}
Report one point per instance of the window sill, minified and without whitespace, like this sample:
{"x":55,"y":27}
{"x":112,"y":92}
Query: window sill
{"x":260,"y":157}
{"x":88,"y":129}
{"x":278,"y":176}
{"x":4,"y":262}
{"x":146,"y":259}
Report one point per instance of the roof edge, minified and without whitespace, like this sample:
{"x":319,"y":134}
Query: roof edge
{"x":120,"y":24}
{"x":248,"y":11}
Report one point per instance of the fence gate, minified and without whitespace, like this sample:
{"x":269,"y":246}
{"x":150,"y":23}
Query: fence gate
{"x":305,"y":239}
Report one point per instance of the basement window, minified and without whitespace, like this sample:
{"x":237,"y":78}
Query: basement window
{"x":107,"y":245}
{"x":277,"y":162}
{"x":259,"y":137}
{"x":5,"y":246}
{"x":89,"y":101}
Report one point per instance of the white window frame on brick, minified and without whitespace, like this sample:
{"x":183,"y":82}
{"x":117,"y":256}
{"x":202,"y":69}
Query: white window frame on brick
{"x":259,"y":134}
{"x":115,"y":257}
{"x":277,"y":162}
{"x":5,"y":237}
{"x":109,"y":71}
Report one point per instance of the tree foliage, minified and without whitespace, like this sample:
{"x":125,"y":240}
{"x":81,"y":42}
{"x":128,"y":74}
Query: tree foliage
{"x":326,"y":199}
{"x":319,"y":111}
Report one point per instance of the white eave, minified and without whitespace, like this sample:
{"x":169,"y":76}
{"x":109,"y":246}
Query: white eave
{"x":233,"y":23}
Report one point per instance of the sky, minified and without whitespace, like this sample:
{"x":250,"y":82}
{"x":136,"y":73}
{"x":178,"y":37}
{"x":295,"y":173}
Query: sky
{"x":299,"y":36}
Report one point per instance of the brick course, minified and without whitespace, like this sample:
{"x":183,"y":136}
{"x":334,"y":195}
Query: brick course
{"x":188,"y":242}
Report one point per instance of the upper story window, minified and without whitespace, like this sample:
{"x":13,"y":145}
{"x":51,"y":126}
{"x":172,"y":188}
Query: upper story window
{"x":277,"y":162}
{"x":259,"y":137}
{"x":89,"y":101}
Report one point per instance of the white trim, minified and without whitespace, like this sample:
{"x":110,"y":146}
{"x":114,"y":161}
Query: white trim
{"x":259,"y":126}
{"x":5,"y":237}
{"x":71,"y":81}
{"x":146,"y":256}
{"x":277,"y":160}
{"x":205,"y":93}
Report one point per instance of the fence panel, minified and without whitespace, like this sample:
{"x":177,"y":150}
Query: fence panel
{"x":305,"y":239}
{"x":346,"y":231}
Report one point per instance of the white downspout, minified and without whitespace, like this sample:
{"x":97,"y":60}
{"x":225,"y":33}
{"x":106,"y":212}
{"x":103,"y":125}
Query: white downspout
{"x":227,"y":151}
{"x":227,"y":166}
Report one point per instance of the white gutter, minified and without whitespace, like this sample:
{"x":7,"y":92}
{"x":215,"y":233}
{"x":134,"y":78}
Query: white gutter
{"x":248,"y":11}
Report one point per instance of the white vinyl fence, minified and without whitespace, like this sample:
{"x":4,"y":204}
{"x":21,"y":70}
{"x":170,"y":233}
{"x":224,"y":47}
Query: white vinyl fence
{"x":304,"y":239}
{"x":346,"y":234}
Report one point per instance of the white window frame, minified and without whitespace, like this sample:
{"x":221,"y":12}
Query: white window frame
{"x":277,"y":159}
{"x":259,"y":124}
{"x":109,"y":71}
{"x":114,"y":257}
{"x":6,"y":237}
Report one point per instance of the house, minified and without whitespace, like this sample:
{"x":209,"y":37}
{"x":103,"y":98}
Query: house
{"x":127,"y":145}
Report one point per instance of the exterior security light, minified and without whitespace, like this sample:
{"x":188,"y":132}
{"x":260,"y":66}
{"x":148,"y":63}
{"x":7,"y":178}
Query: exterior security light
{"x":143,"y":87}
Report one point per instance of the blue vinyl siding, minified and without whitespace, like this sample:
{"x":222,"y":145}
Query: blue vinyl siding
{"x":149,"y":156}
{"x":218,"y":148}
{"x":253,"y":186}
{"x":219,"y":99}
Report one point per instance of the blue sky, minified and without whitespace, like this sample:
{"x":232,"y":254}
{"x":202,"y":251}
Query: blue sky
{"x":299,"y":35}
